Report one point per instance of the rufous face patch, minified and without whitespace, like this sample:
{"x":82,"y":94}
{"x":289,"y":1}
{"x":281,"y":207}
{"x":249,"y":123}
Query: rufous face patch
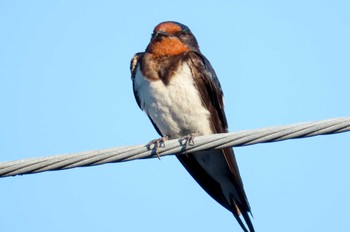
{"x":168,"y":27}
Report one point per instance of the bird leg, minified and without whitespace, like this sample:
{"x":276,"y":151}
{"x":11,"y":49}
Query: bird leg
{"x":156,"y":144}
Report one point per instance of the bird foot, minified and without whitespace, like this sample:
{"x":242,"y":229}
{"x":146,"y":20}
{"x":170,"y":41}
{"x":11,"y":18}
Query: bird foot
{"x":157,"y":143}
{"x":188,"y":140}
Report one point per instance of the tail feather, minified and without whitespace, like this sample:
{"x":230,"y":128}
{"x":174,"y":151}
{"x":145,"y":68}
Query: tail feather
{"x":237,"y":212}
{"x":240,"y":222}
{"x":248,"y":221}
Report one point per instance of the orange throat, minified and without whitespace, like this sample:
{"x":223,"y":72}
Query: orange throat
{"x":167,"y":47}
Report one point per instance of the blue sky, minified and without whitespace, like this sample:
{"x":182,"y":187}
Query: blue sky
{"x":65,"y":87}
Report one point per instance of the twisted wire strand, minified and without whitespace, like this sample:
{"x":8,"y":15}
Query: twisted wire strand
{"x":175,"y":146}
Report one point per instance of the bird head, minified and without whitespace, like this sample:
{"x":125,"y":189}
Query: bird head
{"x":171,"y":38}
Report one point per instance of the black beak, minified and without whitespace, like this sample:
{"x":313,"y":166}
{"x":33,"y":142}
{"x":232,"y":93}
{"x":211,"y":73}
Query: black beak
{"x":159,"y":35}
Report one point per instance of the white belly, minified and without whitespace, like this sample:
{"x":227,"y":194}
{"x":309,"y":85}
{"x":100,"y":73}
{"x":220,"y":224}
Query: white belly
{"x":175,"y":108}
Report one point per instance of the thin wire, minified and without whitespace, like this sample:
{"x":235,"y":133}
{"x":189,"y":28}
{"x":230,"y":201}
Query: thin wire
{"x":215,"y":141}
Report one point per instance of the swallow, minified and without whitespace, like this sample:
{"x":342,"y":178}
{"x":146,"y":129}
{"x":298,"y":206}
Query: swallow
{"x":174,"y":83}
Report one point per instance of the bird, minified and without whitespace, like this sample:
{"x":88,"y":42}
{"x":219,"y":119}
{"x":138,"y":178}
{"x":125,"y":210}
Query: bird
{"x":177,"y":87}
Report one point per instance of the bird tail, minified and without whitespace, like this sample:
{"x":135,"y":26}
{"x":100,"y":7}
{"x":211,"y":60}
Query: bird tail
{"x":248,"y":223}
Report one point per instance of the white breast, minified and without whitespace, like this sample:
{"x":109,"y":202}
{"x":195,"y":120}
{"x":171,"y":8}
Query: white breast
{"x":175,"y":108}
